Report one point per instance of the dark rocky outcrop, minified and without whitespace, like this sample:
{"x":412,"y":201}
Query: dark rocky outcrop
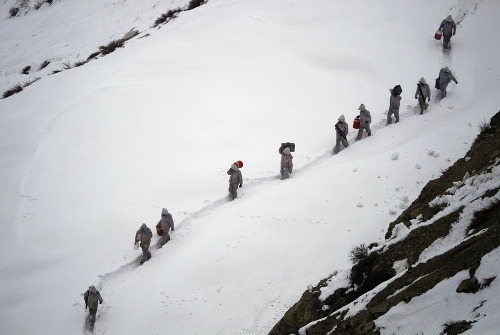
{"x":377,"y":267}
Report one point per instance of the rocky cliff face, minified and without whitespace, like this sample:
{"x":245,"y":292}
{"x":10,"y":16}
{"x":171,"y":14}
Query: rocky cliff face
{"x":449,"y":228}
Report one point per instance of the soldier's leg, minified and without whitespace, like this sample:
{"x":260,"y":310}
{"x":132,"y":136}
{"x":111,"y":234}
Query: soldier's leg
{"x":421,"y":103}
{"x":446,"y":40}
{"x":389,"y":116}
{"x":344,"y":142}
{"x":360,"y":133}
{"x":144,"y":254}
{"x":93,"y":312}
{"x":286,"y":174}
{"x":235,"y":191}
{"x":442,"y":88}
{"x":336,"y":149}
{"x":368,"y":130}
{"x":396,"y":115}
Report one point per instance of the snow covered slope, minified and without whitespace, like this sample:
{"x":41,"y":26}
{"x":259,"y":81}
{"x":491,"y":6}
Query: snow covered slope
{"x":89,"y":154}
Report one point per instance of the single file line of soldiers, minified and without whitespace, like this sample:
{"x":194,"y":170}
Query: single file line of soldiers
{"x":144,"y":235}
{"x":446,"y":29}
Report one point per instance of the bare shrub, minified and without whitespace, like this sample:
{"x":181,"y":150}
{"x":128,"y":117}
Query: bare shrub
{"x":56,"y":71}
{"x":13,"y":11}
{"x":67,"y":66}
{"x":26,"y":70}
{"x":79,"y":63}
{"x":195,"y":3}
{"x":487,"y":282}
{"x":29,"y":82}
{"x":484,"y":126}
{"x":358,"y":254}
{"x":166,"y":17}
{"x":38,"y":4}
{"x":111,"y":46}
{"x":13,"y":90}
{"x":93,"y":55}
{"x":43,"y":65}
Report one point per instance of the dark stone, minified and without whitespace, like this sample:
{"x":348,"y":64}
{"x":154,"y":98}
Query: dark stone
{"x":470,"y":285}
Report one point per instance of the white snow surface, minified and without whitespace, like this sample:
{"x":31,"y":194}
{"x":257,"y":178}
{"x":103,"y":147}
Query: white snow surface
{"x":89,"y":154}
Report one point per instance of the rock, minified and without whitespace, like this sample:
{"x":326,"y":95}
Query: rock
{"x":470,"y":285}
{"x":132,"y":33}
{"x":365,"y":328}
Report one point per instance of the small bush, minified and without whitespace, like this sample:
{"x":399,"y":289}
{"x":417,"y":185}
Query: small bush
{"x":38,"y":4}
{"x":482,"y":216}
{"x":358,"y":254}
{"x":195,"y":3}
{"x":13,"y":11}
{"x":43,"y":65}
{"x":79,"y":63}
{"x":93,"y":55}
{"x":111,"y":46}
{"x":484,"y":126}
{"x":166,"y":17}
{"x":26,"y":70}
{"x":67,"y":66}
{"x":29,"y":82}
{"x":13,"y":90}
{"x":56,"y":71}
{"x":487,"y":282}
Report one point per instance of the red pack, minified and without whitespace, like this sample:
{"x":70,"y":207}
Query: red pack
{"x":355,"y":124}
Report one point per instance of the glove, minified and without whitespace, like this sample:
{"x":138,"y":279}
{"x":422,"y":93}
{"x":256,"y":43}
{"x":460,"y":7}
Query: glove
{"x":100,"y":302}
{"x":456,"y":82}
{"x":416,"y":97}
{"x":241,"y":185}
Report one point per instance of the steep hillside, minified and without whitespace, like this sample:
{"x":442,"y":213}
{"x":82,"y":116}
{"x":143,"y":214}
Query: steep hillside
{"x":439,"y":242}
{"x":89,"y":154}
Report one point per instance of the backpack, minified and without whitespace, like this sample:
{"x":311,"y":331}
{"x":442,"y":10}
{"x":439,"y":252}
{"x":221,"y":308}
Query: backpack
{"x":397,"y":90}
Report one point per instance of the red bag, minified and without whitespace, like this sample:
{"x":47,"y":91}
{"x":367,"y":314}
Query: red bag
{"x":438,"y":35}
{"x":159,"y":231}
{"x":239,"y":164}
{"x":355,"y":124}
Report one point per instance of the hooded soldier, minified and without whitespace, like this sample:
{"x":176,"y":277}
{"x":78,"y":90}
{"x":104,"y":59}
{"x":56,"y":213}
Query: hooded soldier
{"x":445,"y":77}
{"x":423,"y":93}
{"x":92,"y":297}
{"x":166,"y":223}
{"x":144,"y":235}
{"x":341,"y":129}
{"x":448,"y":27}
{"x":394,"y":102}
{"x":364,"y":122}
{"x":235,"y":180}
{"x":286,"y":163}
